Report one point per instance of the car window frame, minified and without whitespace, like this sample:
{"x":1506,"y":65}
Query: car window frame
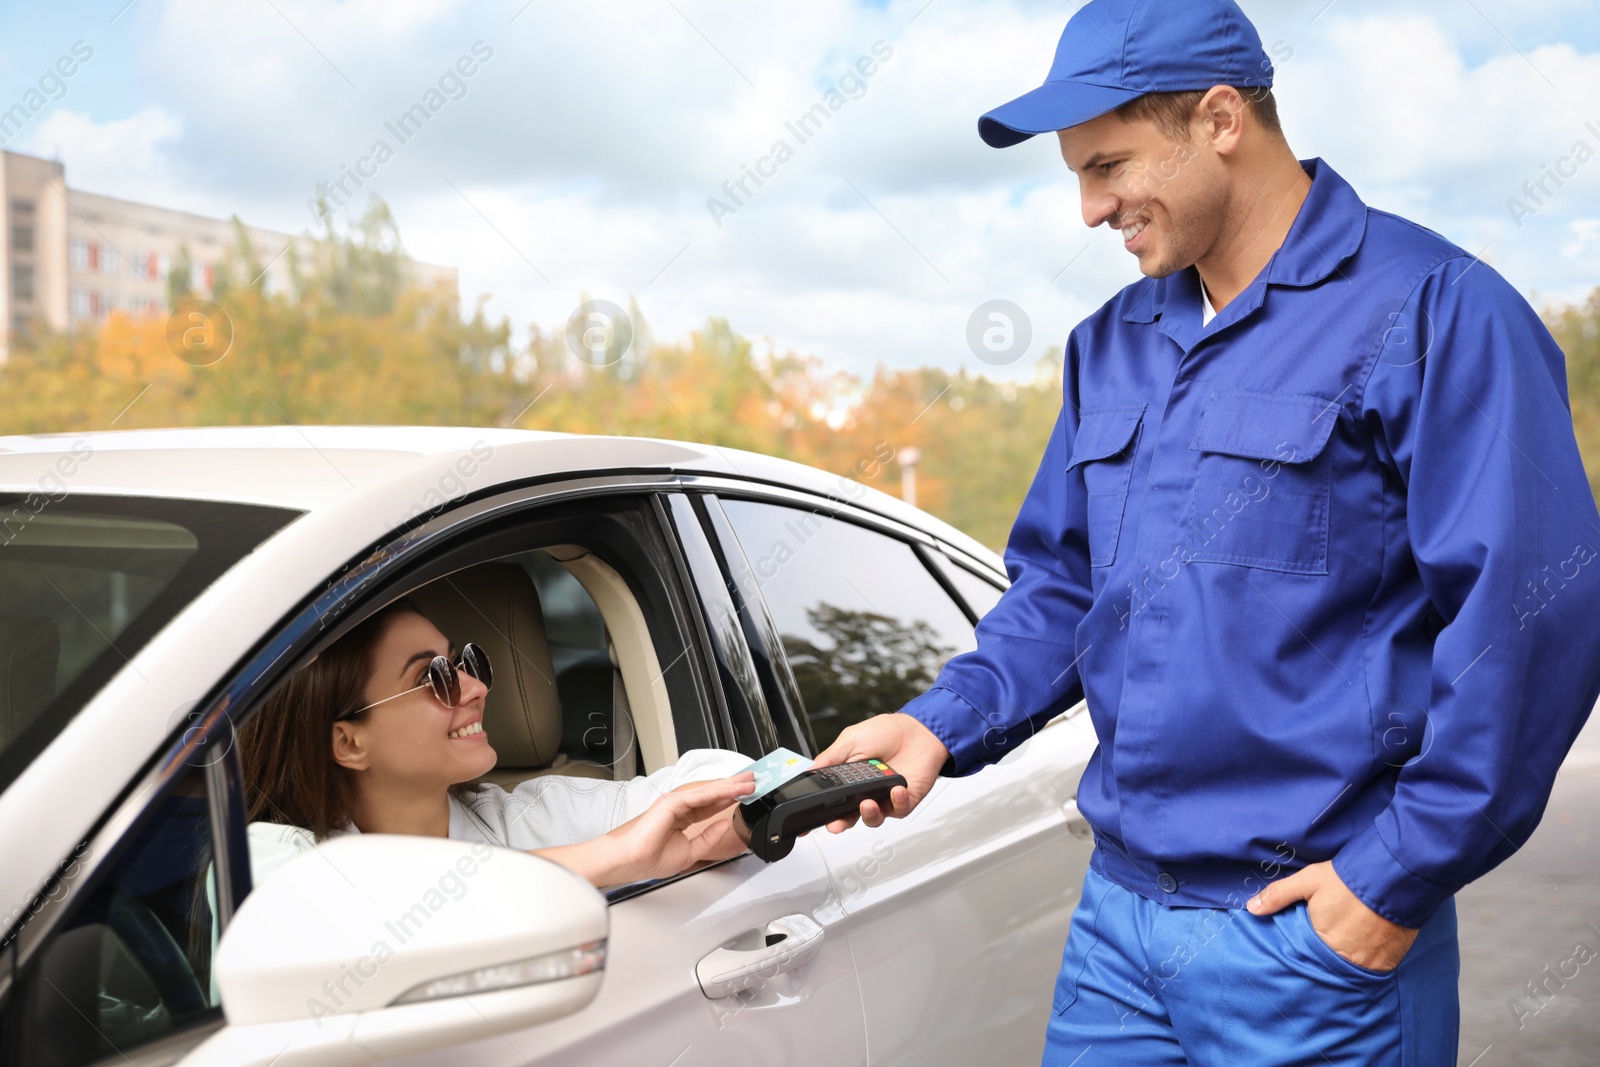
{"x":655,"y":552}
{"x":786,"y":709}
{"x":937,"y":559}
{"x":725,"y":626}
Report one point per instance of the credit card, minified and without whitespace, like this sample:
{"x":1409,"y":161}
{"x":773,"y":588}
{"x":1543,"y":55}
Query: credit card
{"x":775,"y":768}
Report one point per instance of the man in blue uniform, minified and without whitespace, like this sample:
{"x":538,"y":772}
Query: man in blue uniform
{"x":1313,"y":537}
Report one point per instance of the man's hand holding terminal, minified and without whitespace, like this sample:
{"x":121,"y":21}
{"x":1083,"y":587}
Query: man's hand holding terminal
{"x":904,"y":744}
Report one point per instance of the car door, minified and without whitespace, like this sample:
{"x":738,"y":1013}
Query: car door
{"x":772,"y":932}
{"x":955,"y":916}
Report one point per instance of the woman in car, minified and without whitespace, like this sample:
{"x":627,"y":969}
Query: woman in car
{"x":380,"y":731}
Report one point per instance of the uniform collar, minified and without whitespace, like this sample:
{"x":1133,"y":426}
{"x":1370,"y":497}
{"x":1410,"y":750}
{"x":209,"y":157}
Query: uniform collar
{"x":1327,"y":231}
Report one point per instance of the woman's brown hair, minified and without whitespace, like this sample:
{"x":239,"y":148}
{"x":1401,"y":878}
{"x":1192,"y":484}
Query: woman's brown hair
{"x":287,"y":747}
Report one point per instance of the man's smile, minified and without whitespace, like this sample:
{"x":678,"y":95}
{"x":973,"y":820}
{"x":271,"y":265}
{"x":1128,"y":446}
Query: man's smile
{"x":1131,"y":229}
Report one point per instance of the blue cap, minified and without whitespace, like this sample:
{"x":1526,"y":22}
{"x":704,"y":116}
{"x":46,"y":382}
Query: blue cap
{"x":1114,"y":51}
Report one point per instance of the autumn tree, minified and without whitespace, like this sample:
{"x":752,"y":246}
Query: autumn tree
{"x":1577,"y":330}
{"x":355,"y":340}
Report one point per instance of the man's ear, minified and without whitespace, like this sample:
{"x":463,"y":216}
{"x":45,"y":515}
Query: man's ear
{"x":1220,"y":117}
{"x":349,"y":746}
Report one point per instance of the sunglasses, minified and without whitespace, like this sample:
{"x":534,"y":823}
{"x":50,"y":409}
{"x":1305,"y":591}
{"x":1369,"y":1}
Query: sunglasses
{"x":443,"y":679}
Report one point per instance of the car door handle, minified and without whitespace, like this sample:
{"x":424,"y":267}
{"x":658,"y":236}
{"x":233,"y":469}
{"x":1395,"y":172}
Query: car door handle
{"x":1077,"y":825}
{"x":786,"y":943}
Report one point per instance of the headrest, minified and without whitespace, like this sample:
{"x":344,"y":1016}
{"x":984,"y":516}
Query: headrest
{"x":29,"y":648}
{"x":496,"y":606}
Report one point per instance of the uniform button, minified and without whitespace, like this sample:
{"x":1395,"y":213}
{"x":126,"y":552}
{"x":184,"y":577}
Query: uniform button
{"x":1167,"y":883}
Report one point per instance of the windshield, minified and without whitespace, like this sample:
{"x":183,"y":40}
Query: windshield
{"x":85,"y":582}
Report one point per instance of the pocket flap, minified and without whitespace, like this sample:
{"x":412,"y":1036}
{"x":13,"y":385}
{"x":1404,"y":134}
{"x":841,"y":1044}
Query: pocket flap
{"x":1287,"y":427}
{"x":1104,"y":432}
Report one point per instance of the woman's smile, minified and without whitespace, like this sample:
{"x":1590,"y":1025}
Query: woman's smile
{"x":471,"y":731}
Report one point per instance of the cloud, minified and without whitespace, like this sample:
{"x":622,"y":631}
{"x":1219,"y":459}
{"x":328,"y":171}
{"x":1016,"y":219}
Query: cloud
{"x":131,"y":158}
{"x":582,"y":155}
{"x":1585,"y":239}
{"x":1419,"y":130}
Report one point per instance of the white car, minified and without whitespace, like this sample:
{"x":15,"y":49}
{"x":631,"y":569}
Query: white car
{"x":157,"y":585}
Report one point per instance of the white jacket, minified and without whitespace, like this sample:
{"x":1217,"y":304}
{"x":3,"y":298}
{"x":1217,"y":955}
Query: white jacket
{"x":542,"y":812}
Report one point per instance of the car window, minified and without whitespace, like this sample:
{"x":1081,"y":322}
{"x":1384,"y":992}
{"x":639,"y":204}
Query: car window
{"x":865,"y":625}
{"x":132,"y":963}
{"x":85,"y":582}
{"x":980,"y":594}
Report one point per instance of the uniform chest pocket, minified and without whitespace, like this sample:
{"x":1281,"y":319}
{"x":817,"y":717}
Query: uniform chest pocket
{"x":1104,"y":450}
{"x":1262,"y":482}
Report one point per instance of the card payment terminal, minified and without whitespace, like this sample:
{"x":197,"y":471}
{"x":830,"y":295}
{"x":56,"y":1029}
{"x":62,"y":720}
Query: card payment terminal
{"x":769,"y":823}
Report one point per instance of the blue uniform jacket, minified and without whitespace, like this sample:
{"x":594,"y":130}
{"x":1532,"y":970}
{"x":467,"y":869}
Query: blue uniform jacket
{"x":1325,"y":570}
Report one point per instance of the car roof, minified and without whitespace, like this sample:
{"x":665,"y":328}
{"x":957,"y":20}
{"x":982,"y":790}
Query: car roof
{"x":307,"y":467}
{"x":296,"y":467}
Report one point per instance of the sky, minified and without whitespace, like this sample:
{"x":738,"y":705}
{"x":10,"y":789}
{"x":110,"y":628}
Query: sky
{"x":588,"y":150}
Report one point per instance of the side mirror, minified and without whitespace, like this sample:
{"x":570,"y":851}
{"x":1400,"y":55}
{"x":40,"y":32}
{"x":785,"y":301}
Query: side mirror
{"x":374,"y":945}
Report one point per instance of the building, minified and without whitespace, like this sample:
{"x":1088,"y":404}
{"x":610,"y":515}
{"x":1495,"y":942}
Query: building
{"x":69,"y":257}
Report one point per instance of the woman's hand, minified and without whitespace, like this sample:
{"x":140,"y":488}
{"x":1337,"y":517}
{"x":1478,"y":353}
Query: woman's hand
{"x":682,"y":828}
{"x":691,"y":824}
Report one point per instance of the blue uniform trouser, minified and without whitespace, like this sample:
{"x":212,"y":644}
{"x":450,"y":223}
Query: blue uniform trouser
{"x":1154,"y":984}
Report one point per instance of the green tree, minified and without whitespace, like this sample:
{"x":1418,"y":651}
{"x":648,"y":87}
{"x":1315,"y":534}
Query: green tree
{"x":871,"y":664}
{"x":359,"y":271}
{"x":180,"y":277}
{"x":240,"y":267}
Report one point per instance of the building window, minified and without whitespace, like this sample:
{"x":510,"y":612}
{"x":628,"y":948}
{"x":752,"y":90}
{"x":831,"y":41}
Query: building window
{"x":21,"y":207}
{"x":21,"y":282}
{"x":78,"y":304}
{"x":92,"y":256}
{"x":22,"y":238}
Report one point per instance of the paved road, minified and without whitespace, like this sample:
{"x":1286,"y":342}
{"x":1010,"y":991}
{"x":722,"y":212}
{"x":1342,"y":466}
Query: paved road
{"x":1540,"y":909}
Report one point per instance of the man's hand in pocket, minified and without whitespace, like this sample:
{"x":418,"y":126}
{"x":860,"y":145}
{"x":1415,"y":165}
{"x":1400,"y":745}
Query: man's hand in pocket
{"x":1338,"y":916}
